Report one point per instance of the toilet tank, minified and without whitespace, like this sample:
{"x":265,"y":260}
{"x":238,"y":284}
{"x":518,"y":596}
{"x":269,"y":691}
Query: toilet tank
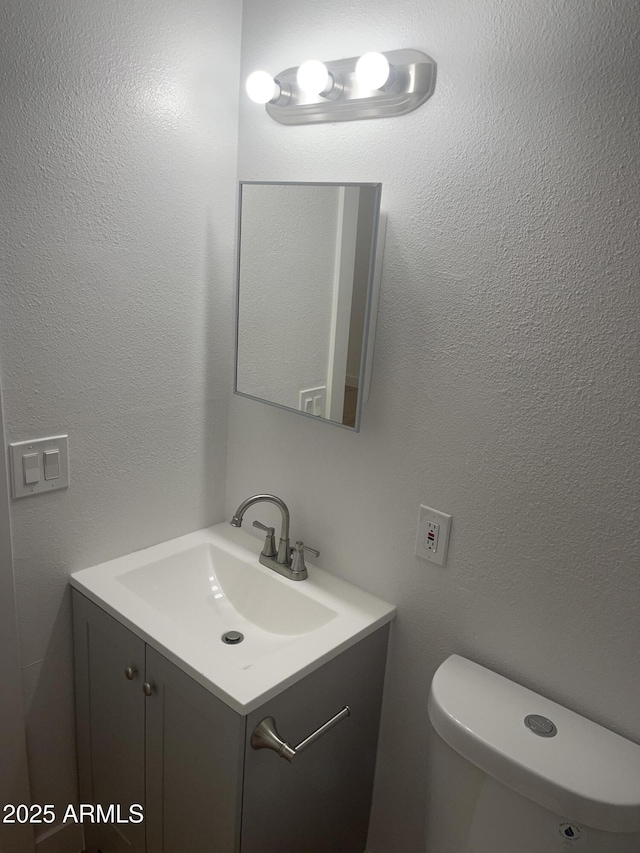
{"x":513,"y":772}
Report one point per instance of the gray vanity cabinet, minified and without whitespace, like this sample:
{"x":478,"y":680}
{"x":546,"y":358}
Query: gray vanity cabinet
{"x":194,"y":765}
{"x":149,"y":734}
{"x":319,"y":803}
{"x":110,"y":714}
{"x":175,"y":749}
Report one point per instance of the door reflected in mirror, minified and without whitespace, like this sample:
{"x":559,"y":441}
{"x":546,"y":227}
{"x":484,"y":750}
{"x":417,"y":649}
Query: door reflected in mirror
{"x":305,"y":296}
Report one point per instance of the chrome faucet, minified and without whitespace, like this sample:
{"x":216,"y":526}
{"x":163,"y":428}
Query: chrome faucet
{"x":285,"y":560}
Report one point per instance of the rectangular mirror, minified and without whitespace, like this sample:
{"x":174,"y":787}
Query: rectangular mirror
{"x":306,"y":296}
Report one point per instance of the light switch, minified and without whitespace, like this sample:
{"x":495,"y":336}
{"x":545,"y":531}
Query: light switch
{"x":39,"y":465}
{"x":31,"y":468}
{"x":51,"y":464}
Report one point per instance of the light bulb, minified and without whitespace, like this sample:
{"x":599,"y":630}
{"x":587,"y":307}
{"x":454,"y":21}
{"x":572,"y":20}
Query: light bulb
{"x":373,"y":70}
{"x":313,"y":77}
{"x":261,"y":87}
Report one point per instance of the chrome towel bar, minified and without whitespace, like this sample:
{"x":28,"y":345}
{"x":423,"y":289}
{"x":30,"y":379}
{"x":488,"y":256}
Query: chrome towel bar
{"x":265,"y":736}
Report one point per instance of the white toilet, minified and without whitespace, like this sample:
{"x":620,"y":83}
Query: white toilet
{"x":512,"y":772}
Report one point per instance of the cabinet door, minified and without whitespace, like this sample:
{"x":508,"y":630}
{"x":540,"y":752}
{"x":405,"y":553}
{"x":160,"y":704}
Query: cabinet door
{"x":320,"y":802}
{"x":110,"y":721}
{"x":194,"y":765}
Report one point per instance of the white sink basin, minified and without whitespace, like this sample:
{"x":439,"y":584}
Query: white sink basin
{"x":183,"y":595}
{"x":207,"y":591}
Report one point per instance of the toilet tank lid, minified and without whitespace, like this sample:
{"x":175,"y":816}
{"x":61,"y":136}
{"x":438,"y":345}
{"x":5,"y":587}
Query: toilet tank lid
{"x":585,"y":773}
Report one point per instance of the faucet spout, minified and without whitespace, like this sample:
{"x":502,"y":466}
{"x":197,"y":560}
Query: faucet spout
{"x":284,"y":555}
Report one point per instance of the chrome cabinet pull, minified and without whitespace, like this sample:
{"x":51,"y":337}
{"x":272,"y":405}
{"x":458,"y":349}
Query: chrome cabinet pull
{"x":265,"y":736}
{"x":148,"y":688}
{"x":130,"y":673}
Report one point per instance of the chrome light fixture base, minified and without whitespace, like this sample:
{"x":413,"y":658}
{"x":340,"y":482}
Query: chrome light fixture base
{"x":411,"y":82}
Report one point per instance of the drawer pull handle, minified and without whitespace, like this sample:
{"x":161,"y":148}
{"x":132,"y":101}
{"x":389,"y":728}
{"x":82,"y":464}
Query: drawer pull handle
{"x":265,"y":736}
{"x":148,"y":689}
{"x":130,"y":673}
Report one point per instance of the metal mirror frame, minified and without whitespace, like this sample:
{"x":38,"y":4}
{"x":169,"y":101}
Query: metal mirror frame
{"x":371,"y":305}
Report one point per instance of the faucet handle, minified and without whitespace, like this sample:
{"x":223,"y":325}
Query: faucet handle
{"x":269,"y":548}
{"x":297,"y":558}
{"x":310,"y":550}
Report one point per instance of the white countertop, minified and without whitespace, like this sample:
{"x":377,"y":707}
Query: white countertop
{"x":181,"y":596}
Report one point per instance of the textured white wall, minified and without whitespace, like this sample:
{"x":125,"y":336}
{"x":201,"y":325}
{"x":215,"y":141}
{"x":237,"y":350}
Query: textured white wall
{"x":117,"y":179}
{"x":14,"y":781}
{"x":505,"y":387}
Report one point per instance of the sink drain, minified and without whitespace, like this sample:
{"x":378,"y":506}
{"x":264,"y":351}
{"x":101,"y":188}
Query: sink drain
{"x":232,"y":638}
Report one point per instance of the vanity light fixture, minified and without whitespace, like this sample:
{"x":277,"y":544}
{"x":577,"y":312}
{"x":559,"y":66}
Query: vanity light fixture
{"x":374,"y":71}
{"x":313,"y":78}
{"x":375,"y":85}
{"x":263,"y":89}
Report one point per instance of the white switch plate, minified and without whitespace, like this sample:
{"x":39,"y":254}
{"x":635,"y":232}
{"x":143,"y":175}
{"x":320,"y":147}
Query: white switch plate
{"x":17,"y":449}
{"x":313,"y":401}
{"x":432,"y":539}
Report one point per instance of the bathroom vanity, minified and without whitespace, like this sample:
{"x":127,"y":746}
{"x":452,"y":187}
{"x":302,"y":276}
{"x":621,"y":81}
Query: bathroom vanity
{"x":167,"y":710}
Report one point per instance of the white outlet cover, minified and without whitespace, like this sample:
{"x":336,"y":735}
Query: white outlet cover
{"x":443,"y":520}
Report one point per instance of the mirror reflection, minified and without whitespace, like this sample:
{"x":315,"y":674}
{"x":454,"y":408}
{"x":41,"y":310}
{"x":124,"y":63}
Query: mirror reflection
{"x":305,"y":290}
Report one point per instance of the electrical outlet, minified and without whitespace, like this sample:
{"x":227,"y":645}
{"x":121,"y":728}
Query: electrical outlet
{"x":432,"y":539}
